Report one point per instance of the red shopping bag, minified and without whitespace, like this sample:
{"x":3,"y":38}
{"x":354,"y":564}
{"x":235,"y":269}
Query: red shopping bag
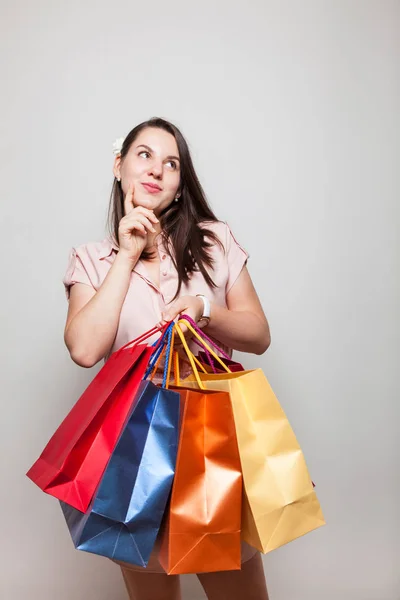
{"x":72,"y":463}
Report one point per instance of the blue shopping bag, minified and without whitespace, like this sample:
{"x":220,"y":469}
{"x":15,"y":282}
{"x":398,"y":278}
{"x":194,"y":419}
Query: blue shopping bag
{"x":124,"y":518}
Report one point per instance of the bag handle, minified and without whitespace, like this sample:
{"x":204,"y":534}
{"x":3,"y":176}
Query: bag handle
{"x":176,"y":368}
{"x":204,"y":337}
{"x":168,"y":356}
{"x":189,"y":354}
{"x":167,"y":350}
{"x":159,"y":351}
{"x":197,"y":361}
{"x":204,"y":344}
{"x":156,"y":354}
{"x":208,"y":356}
{"x":145,"y":336}
{"x":152,"y":370}
{"x":165,"y":347}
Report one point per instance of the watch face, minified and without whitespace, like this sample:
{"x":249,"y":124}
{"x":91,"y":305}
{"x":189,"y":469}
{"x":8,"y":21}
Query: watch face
{"x":203,"y":321}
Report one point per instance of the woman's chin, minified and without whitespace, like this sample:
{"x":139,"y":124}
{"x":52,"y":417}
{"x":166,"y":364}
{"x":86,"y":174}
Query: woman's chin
{"x":145,"y":202}
{"x":151,"y":203}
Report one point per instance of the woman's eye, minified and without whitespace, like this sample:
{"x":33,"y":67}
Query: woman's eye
{"x":171,"y":163}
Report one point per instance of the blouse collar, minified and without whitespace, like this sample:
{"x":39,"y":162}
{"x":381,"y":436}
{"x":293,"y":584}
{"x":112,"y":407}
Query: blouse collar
{"x":107,"y":246}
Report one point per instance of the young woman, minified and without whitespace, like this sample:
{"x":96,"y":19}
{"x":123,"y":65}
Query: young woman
{"x":167,"y":254}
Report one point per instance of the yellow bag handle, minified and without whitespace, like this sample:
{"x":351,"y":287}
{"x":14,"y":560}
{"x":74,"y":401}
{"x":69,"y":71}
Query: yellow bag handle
{"x":204,"y":343}
{"x":173,"y":356}
{"x":192,"y":358}
{"x":198,"y":363}
{"x":189,"y":355}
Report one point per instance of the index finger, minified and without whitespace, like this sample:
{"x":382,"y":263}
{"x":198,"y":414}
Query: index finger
{"x":147,"y":212}
{"x":128,"y":202}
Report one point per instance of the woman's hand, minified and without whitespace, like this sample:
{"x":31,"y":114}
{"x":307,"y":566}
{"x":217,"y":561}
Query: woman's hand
{"x":189,"y":305}
{"x":135,"y":226}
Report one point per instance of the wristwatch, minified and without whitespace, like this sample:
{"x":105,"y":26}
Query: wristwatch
{"x":205,"y":317}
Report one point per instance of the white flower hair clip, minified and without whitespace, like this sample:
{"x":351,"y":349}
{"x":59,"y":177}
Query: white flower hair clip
{"x":117,"y":146}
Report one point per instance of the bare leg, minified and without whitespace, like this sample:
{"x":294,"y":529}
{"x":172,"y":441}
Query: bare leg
{"x":151,"y":586}
{"x":248,"y":583}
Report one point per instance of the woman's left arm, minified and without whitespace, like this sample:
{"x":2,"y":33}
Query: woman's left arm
{"x":241,"y":326}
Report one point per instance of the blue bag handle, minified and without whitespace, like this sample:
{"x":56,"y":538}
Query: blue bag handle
{"x":168,"y":352}
{"x":165,"y":339}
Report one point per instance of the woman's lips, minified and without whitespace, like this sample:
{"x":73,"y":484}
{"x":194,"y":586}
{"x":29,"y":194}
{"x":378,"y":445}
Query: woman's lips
{"x":151,"y":188}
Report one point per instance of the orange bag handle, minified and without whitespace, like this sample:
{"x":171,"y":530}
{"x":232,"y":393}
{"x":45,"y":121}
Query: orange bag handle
{"x":154,"y":371}
{"x":176,"y":368}
{"x":162,"y":354}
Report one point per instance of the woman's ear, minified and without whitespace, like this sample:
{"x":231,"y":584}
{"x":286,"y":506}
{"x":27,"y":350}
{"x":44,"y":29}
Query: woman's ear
{"x":117,"y":167}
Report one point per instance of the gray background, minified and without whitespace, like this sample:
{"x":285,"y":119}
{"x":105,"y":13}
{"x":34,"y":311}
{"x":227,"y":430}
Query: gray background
{"x":292,"y":112}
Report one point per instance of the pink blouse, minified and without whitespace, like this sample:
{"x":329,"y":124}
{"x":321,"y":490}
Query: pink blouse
{"x":145,"y":301}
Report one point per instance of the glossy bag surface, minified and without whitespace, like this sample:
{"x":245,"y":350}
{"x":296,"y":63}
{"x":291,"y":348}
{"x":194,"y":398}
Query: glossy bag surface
{"x":202,"y":529}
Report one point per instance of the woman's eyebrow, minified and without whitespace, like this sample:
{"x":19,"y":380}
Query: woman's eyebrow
{"x":151,"y":150}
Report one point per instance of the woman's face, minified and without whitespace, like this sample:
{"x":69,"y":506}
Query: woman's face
{"x":152,"y":165}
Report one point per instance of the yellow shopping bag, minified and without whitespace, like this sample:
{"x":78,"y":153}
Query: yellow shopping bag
{"x":279,"y":503}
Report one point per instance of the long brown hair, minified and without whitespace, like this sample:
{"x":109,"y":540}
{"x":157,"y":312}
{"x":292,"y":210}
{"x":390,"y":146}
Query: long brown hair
{"x":180,"y":221}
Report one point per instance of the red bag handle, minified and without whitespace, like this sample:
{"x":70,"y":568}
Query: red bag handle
{"x":145,"y":336}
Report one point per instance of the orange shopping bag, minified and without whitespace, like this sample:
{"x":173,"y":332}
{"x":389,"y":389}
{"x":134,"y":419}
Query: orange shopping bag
{"x":202,"y":529}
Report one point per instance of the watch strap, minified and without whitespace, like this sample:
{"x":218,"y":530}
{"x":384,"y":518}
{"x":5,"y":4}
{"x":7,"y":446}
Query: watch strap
{"x":206,"y":309}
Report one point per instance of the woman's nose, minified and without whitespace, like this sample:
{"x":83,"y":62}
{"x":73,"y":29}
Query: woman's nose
{"x":156,"y":169}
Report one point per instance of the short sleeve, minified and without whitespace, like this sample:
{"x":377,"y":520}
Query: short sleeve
{"x":236,"y":257}
{"x":76,"y":271}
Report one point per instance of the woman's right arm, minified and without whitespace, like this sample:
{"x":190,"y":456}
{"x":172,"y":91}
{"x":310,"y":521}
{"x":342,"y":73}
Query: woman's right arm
{"x":93,"y":316}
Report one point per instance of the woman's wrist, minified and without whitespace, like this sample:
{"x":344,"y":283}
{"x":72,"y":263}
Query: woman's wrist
{"x":125,"y":260}
{"x":205,"y":316}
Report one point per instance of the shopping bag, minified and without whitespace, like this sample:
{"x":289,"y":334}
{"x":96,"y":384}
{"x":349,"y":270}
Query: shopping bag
{"x":279,"y":503}
{"x":202,"y":528}
{"x":72,"y":463}
{"x":124,"y":518}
